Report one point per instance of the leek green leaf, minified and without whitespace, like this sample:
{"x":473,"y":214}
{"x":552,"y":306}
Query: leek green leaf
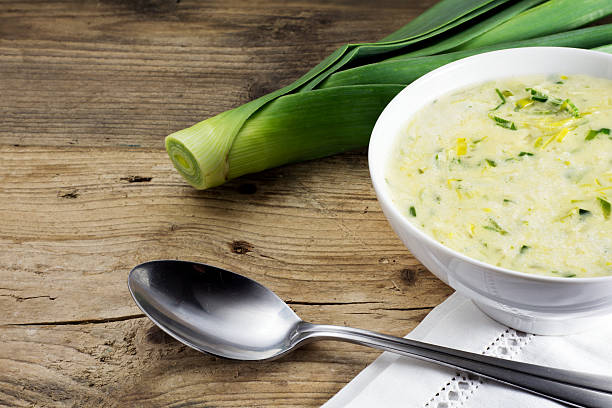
{"x":403,"y":71}
{"x":548,"y":18}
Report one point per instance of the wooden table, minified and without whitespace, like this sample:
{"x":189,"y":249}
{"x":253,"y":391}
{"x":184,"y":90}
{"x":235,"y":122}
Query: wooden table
{"x":88,"y":90}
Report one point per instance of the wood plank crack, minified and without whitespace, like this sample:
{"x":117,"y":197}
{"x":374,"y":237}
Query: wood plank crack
{"x":77,"y":322}
{"x":406,"y":309}
{"x":295,"y":302}
{"x":22,"y":298}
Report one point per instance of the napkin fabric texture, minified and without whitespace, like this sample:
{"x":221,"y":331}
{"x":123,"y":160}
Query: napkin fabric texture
{"x":396,"y":381}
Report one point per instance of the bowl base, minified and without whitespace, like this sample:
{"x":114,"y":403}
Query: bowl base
{"x":545,"y":324}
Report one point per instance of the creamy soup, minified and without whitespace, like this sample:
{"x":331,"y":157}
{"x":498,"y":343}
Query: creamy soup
{"x":516,"y":173}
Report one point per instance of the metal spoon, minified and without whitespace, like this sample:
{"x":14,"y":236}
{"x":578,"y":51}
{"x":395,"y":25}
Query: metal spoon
{"x":222,"y":313}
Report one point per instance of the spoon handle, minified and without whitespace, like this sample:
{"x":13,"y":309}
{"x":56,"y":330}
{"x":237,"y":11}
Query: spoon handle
{"x":569,"y":387}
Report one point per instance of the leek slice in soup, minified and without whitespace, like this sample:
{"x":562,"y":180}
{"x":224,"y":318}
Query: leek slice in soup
{"x":516,"y":173}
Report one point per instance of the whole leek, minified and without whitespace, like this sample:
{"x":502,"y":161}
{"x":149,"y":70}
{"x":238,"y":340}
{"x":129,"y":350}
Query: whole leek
{"x":332,"y":109}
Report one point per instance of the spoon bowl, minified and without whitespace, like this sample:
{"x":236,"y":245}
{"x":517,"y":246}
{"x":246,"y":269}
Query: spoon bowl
{"x":228,"y":315}
{"x":214,"y":310}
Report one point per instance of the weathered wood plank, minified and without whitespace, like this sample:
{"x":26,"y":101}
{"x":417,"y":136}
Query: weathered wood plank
{"x":75,"y":220}
{"x":114,"y":73}
{"x":132,"y":363}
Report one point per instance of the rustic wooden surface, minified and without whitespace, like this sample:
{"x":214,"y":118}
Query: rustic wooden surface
{"x":88,"y":90}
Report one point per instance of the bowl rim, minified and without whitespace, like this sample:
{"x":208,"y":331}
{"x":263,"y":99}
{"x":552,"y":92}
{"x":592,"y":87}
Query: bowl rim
{"x":382,"y":192}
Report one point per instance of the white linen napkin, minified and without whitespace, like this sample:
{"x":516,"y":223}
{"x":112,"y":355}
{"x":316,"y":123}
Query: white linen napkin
{"x":396,"y":381}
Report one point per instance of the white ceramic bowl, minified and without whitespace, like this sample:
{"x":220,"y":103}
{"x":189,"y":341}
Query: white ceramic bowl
{"x":531,"y":303}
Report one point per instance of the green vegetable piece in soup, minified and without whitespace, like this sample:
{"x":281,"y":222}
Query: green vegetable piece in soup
{"x":536,"y":95}
{"x":505,"y":123}
{"x":502,"y":97}
{"x":593,"y":133}
{"x":494,"y":226}
{"x":605,"y":207}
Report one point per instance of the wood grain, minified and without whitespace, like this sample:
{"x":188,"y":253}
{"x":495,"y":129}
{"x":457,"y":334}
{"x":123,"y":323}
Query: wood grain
{"x":133,"y":363}
{"x":113,"y":73}
{"x":73,"y":337}
{"x":92,"y":214}
{"x":88,"y":91}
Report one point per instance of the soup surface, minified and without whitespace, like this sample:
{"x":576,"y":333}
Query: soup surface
{"x":516,"y":173}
